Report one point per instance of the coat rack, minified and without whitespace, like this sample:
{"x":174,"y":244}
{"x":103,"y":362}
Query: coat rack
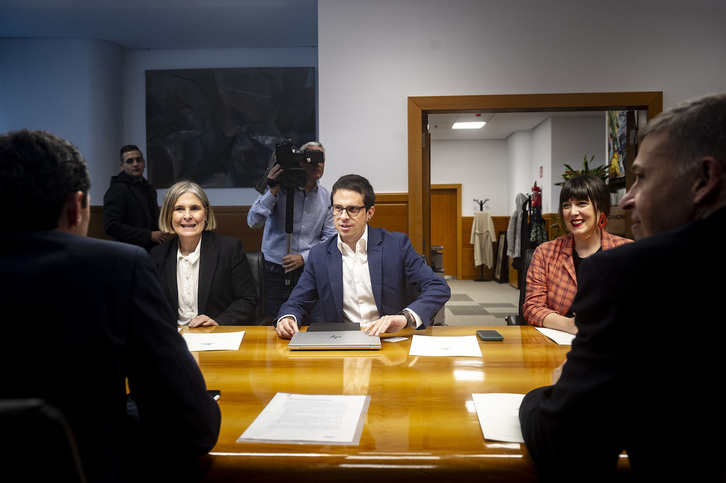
{"x":481,"y":203}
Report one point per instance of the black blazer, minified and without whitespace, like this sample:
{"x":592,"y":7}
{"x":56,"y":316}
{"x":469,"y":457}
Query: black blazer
{"x":646,"y":368}
{"x":226,"y":289}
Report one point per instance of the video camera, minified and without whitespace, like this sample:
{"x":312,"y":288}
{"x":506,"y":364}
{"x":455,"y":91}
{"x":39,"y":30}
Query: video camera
{"x":290,"y":159}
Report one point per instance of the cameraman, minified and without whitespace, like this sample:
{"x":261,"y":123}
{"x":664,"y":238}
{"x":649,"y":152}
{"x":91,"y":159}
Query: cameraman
{"x":312,"y":224}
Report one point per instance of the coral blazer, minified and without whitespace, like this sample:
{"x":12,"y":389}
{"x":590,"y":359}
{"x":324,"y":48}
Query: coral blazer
{"x":551,"y":279}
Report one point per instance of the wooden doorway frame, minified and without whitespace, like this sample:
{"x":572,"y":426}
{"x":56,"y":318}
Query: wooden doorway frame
{"x":419,"y":161}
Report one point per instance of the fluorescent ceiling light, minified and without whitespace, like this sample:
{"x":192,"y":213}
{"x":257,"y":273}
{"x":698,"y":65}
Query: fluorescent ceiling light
{"x":468,"y":125}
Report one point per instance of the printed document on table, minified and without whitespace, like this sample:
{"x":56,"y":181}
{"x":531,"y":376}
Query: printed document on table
{"x":213,"y":341}
{"x":309,"y":419}
{"x":499,"y":416}
{"x":460,"y":346}
{"x":562,"y":338}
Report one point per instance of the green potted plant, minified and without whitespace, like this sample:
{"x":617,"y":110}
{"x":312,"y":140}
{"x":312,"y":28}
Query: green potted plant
{"x":600,"y":171}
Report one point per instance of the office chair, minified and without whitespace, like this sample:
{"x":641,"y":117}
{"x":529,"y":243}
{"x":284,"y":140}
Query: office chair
{"x":518,"y":319}
{"x":37,"y":442}
{"x":257,"y":266}
{"x":412,"y":294}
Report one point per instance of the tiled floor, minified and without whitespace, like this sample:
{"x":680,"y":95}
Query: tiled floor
{"x":480,"y":303}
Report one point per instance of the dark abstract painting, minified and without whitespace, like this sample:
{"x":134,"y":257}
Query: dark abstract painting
{"x":218,"y":127}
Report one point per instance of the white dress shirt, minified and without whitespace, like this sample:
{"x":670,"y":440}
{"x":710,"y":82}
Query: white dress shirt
{"x":358,"y":302}
{"x":187,"y":282}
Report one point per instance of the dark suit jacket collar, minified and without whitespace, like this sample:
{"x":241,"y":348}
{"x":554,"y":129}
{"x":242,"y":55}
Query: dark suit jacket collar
{"x":207,"y":268}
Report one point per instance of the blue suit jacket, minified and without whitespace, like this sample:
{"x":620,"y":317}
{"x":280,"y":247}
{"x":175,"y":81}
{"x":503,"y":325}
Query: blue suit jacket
{"x":393,"y":265}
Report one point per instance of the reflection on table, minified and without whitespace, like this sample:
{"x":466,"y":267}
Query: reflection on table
{"x":421,"y":422}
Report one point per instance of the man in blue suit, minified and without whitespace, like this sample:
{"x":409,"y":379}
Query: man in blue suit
{"x":362,"y":275}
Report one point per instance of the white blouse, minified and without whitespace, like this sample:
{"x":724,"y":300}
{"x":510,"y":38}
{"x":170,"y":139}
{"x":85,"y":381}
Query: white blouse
{"x":187,"y":282}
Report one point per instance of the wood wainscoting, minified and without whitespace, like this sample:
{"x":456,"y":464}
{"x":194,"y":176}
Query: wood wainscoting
{"x":391,"y":214}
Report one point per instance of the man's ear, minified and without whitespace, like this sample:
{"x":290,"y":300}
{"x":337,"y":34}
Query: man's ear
{"x":71,"y":215}
{"x":370,"y":212}
{"x":709,"y":181}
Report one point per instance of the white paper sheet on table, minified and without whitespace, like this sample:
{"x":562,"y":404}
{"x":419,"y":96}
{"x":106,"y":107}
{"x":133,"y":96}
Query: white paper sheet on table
{"x":499,"y":416}
{"x":213,"y":341}
{"x":459,"y":346}
{"x":562,"y":338}
{"x":305,"y":418}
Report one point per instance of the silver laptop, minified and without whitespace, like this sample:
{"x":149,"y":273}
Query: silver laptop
{"x":334,"y":340}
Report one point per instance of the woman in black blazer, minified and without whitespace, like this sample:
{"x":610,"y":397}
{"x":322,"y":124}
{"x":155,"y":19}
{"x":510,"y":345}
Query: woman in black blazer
{"x":206,"y":276}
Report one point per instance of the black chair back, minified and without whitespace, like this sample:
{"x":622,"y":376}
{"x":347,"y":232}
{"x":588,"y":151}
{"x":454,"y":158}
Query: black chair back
{"x":257,"y":266}
{"x":37,"y":442}
{"x":518,"y":319}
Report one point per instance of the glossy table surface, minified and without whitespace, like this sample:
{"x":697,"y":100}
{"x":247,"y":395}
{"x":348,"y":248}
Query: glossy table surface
{"x":421,"y":422}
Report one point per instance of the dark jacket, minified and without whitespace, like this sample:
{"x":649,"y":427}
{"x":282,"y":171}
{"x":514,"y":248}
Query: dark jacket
{"x":130,"y":211}
{"x":646,"y":368}
{"x":227,"y":291}
{"x":88,"y":317}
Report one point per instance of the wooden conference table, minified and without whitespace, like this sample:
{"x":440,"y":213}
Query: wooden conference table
{"x":421,"y":422}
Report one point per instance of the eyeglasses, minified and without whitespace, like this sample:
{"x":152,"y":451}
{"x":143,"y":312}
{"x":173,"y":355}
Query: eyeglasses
{"x":352,"y":210}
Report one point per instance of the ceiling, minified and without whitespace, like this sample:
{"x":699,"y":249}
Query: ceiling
{"x":499,"y":125}
{"x":166,"y":24}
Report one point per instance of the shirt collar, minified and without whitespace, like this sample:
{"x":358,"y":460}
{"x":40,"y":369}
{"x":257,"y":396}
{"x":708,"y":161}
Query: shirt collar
{"x":361,"y":246}
{"x":192,"y":257}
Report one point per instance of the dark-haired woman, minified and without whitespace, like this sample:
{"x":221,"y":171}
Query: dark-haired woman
{"x":552,"y":275}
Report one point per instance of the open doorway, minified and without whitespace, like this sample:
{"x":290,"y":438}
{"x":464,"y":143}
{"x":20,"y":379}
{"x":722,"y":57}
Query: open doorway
{"x":419,"y":108}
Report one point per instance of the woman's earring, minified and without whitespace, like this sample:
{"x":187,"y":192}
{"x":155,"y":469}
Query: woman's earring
{"x":603,"y":221}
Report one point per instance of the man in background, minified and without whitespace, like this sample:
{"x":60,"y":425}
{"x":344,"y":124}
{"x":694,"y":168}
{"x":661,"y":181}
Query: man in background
{"x":645,"y":372}
{"x":312,"y":223}
{"x":84,"y":318}
{"x":130,"y":209}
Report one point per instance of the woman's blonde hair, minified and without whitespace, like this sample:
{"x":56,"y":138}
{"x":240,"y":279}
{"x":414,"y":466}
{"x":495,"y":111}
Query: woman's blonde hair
{"x":172,"y":196}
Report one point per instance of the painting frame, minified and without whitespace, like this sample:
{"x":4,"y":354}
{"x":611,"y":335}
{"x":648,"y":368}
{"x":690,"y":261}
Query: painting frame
{"x":219,"y":126}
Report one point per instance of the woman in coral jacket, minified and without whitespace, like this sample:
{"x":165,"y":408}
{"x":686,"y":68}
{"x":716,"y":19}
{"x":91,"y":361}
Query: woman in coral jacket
{"x":552,"y":275}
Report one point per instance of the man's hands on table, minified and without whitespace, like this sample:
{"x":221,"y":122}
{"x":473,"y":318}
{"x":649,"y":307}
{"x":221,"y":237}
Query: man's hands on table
{"x":287,"y":327}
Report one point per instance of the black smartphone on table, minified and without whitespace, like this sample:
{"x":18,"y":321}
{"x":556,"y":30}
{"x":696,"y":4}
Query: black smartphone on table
{"x":489,"y":335}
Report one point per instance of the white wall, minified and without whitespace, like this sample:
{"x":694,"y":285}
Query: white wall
{"x":374,"y":54}
{"x":71,"y":88}
{"x":572,"y":139}
{"x":481,"y":167}
{"x":519,"y":148}
{"x":371,"y":56}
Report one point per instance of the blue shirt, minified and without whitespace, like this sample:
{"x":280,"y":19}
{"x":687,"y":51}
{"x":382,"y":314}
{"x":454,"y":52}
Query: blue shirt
{"x":312,"y":221}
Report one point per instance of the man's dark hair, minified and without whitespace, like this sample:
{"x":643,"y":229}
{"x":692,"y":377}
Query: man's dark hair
{"x":38,"y":172}
{"x":127,"y":148}
{"x":357,"y":183}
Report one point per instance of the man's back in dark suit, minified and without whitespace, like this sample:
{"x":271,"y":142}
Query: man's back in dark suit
{"x":646,"y":367}
{"x":83,"y":315}
{"x":85,"y":318}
